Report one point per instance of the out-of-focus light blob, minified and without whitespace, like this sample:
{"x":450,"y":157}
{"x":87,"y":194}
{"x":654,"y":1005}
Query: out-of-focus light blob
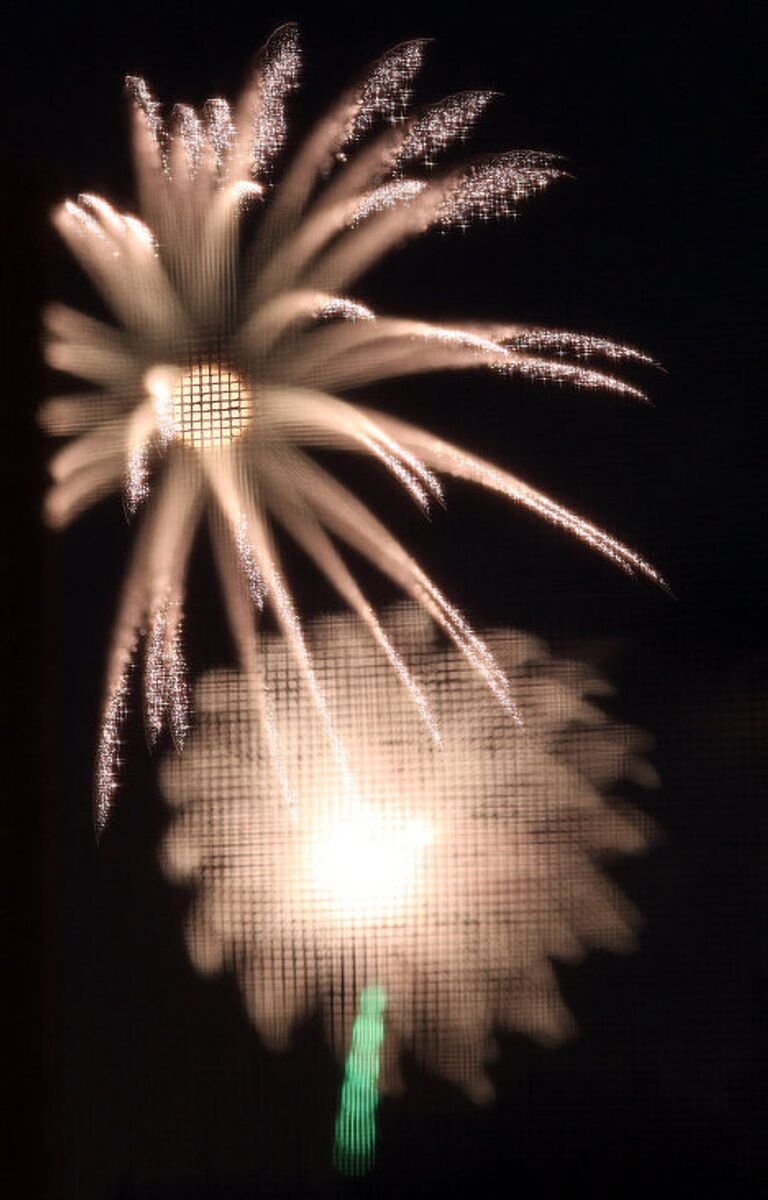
{"x":237,"y":341}
{"x":210,"y":407}
{"x":354,"y":1144}
{"x":450,"y":878}
{"x":366,"y":865}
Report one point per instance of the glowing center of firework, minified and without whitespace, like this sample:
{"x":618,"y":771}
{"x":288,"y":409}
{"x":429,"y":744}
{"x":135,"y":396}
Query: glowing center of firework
{"x":209,"y":406}
{"x":366,"y":864}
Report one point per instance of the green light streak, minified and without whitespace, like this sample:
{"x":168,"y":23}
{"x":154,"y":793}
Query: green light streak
{"x":354,"y":1145}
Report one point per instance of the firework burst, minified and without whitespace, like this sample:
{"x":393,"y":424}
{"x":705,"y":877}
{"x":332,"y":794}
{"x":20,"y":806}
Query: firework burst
{"x":447,"y":880}
{"x":236,"y":343}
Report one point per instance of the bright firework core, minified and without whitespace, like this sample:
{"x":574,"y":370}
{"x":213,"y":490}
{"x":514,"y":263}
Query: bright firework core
{"x":367,"y":865}
{"x":210,"y":406}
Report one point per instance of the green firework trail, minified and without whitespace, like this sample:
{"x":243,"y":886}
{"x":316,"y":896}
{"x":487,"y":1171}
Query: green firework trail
{"x":354,"y":1147}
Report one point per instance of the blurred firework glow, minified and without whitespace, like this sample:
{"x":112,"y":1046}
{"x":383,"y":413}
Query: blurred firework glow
{"x":235,"y":341}
{"x":448,"y":879}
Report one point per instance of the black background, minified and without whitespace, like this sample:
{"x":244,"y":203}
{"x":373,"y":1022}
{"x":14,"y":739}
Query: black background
{"x":135,"y":1078}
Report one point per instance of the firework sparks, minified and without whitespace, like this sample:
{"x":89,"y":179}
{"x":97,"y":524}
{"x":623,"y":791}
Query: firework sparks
{"x":225,"y":368}
{"x":447,"y":881}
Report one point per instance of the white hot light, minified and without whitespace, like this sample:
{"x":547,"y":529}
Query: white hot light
{"x":366,"y":864}
{"x":211,"y":406}
{"x":205,"y":407}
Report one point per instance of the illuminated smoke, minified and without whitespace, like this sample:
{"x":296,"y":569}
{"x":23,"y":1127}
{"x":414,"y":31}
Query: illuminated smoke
{"x":450,"y":879}
{"x":230,"y":356}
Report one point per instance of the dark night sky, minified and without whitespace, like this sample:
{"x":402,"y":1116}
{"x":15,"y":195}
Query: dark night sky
{"x":135,"y":1078}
